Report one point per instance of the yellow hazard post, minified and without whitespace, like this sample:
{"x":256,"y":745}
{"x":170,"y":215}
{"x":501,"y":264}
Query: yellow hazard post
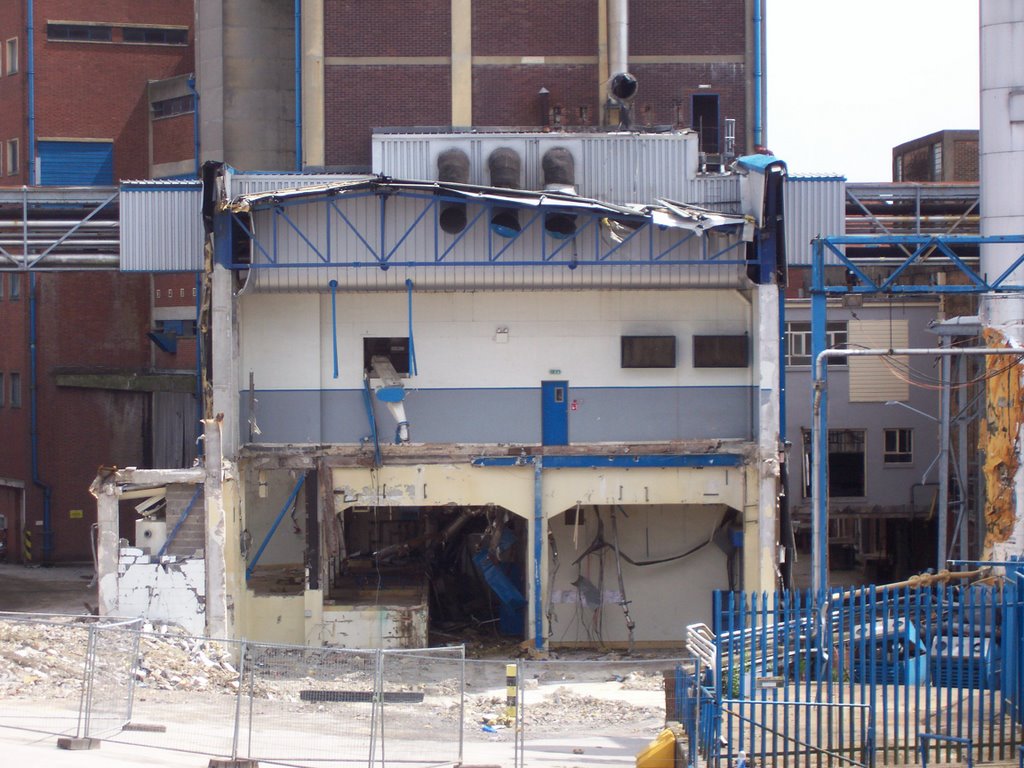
{"x":26,"y":548}
{"x":511,"y":692}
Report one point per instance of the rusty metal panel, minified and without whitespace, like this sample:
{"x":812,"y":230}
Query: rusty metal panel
{"x":161,"y":226}
{"x":814,"y":205}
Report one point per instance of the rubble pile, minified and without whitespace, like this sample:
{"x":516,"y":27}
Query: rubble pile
{"x":168,"y":663}
{"x":41,"y":660}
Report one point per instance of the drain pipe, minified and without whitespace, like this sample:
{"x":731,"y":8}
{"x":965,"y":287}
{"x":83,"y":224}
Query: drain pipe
{"x":298,"y":85}
{"x":758,"y":76}
{"x":30,"y":75}
{"x":34,"y":417}
{"x":191,"y":82}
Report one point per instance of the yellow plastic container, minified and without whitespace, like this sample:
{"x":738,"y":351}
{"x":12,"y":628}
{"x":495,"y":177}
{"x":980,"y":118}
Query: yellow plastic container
{"x":660,"y":753}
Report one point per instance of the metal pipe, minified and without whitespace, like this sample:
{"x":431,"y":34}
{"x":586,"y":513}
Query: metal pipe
{"x":943,"y":505}
{"x":34,"y":419}
{"x":618,"y":37}
{"x":758,"y":75}
{"x":298,"y":86}
{"x":819,"y":421}
{"x":538,"y":550}
{"x":30,"y":75}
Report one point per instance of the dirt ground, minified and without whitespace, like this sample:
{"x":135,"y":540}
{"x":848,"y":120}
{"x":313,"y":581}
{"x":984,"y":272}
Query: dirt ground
{"x":56,"y":589}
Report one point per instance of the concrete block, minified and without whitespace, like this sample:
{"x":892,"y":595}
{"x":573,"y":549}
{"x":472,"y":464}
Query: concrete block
{"x":75,"y":742}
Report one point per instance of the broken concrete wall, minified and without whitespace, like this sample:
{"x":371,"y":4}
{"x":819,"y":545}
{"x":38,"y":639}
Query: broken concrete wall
{"x":1000,"y":443}
{"x":171,"y":593}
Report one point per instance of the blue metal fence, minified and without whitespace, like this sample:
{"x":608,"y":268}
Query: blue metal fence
{"x":853,"y":677}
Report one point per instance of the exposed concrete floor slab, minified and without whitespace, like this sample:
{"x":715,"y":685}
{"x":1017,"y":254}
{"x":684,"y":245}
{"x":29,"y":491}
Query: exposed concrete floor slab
{"x":65,"y":589}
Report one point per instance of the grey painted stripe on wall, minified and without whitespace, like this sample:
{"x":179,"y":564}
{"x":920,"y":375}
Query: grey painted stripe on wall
{"x":505,"y":415}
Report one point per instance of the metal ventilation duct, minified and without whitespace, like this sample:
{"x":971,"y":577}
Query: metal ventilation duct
{"x":506,"y":171}
{"x":453,"y":166}
{"x":559,"y":176}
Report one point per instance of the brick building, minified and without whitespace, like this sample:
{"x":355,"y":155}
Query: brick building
{"x":90,"y":94}
{"x":466,"y":63}
{"x":947,"y":156}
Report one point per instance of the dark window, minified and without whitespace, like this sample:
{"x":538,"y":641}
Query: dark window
{"x":396,"y":350}
{"x":705,"y":122}
{"x":79,"y":32}
{"x":846,"y":463}
{"x":2,"y":393}
{"x":899,"y":446}
{"x":156,"y":35}
{"x":648,"y":351}
{"x":721,"y":351}
{"x":15,"y":390}
{"x":179,"y":105}
{"x":15,"y":285}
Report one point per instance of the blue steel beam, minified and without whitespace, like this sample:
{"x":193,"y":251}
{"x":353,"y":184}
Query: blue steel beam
{"x":619,"y":460}
{"x":382,"y":257}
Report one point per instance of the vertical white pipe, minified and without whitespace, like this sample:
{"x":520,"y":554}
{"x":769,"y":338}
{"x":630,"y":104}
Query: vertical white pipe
{"x":618,"y":37}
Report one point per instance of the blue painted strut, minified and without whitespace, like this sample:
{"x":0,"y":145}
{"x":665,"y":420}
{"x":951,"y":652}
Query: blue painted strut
{"x":273,"y":528}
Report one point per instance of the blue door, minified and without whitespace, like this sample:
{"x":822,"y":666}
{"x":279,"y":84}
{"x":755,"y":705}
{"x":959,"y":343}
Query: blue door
{"x":76,"y":163}
{"x":554,"y":405}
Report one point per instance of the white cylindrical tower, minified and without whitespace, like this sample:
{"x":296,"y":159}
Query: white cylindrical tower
{"x":1002,"y":315}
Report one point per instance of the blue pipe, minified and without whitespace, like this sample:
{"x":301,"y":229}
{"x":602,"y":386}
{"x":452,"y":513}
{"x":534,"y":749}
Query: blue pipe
{"x":538,"y":550}
{"x":758,"y":77}
{"x":368,"y":402}
{"x":195,"y":124}
{"x":334,"y":323}
{"x":200,"y":444}
{"x":30,"y":74}
{"x":181,"y":522}
{"x":273,"y":528}
{"x":34,"y":417}
{"x":413,"y":370}
{"x":298,"y":85}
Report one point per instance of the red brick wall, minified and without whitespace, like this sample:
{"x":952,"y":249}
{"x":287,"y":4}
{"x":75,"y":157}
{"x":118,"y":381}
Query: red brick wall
{"x":507,"y":95}
{"x":686,"y":27}
{"x":87,"y":320}
{"x":534,"y":28}
{"x":358,"y":99}
{"x":965,"y":161}
{"x":98,"y":90}
{"x":14,"y":422}
{"x":12,"y":90}
{"x":387,"y":28}
{"x":173,"y":139}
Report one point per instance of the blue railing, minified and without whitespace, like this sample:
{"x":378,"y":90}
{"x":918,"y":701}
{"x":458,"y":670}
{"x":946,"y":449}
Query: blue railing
{"x":852,"y":677}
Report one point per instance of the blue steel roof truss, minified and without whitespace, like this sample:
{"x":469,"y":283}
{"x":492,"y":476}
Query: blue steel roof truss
{"x":382,"y":255}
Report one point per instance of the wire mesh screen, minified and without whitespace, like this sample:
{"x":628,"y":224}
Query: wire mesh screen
{"x":422,"y":705}
{"x":612,"y":707}
{"x":42,"y":665}
{"x":185,"y":694}
{"x":308,"y":706}
{"x":112,"y":653}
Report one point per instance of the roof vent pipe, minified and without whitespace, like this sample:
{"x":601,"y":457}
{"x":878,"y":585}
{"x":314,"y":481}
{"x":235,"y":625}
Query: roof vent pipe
{"x":623,"y":85}
{"x":506,"y":171}
{"x":453,"y":166}
{"x":559,"y":176}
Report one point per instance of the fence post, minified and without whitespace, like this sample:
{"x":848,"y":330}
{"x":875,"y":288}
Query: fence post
{"x":378,"y":699}
{"x":85,"y":705}
{"x":518,"y":723}
{"x":243,"y":650}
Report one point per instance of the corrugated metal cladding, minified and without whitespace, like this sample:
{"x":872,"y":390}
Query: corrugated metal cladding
{"x":814,"y":205}
{"x":161,"y":226}
{"x":617,"y":168}
{"x":76,"y":163}
{"x":252,"y":183}
{"x":425,"y":243}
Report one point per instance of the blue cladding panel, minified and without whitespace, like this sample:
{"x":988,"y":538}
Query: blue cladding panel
{"x":76,"y":163}
{"x":506,"y":415}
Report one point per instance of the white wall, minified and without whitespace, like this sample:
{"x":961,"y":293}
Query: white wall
{"x":287,"y":339}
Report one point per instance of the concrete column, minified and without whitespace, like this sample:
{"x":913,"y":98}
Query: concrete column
{"x":225,"y":357}
{"x":217,"y":619}
{"x":768,"y":442}
{"x":107,"y":548}
{"x":313,"y":83}
{"x":462,"y":62}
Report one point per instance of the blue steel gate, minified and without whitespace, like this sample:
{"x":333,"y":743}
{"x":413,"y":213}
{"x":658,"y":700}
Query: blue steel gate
{"x":854,"y":677}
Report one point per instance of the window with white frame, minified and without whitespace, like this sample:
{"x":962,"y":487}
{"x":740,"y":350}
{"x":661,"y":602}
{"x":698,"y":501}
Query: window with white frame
{"x":13,"y":164}
{"x":898,"y":446}
{"x":12,"y":56}
{"x":798,"y":342}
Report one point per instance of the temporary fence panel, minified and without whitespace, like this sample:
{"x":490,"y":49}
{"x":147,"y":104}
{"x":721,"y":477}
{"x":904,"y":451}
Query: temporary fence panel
{"x":854,"y":671}
{"x":422,"y":706}
{"x":492,"y":724}
{"x":185,"y":694}
{"x":33,"y":645}
{"x":309,"y":706}
{"x":110,"y":678}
